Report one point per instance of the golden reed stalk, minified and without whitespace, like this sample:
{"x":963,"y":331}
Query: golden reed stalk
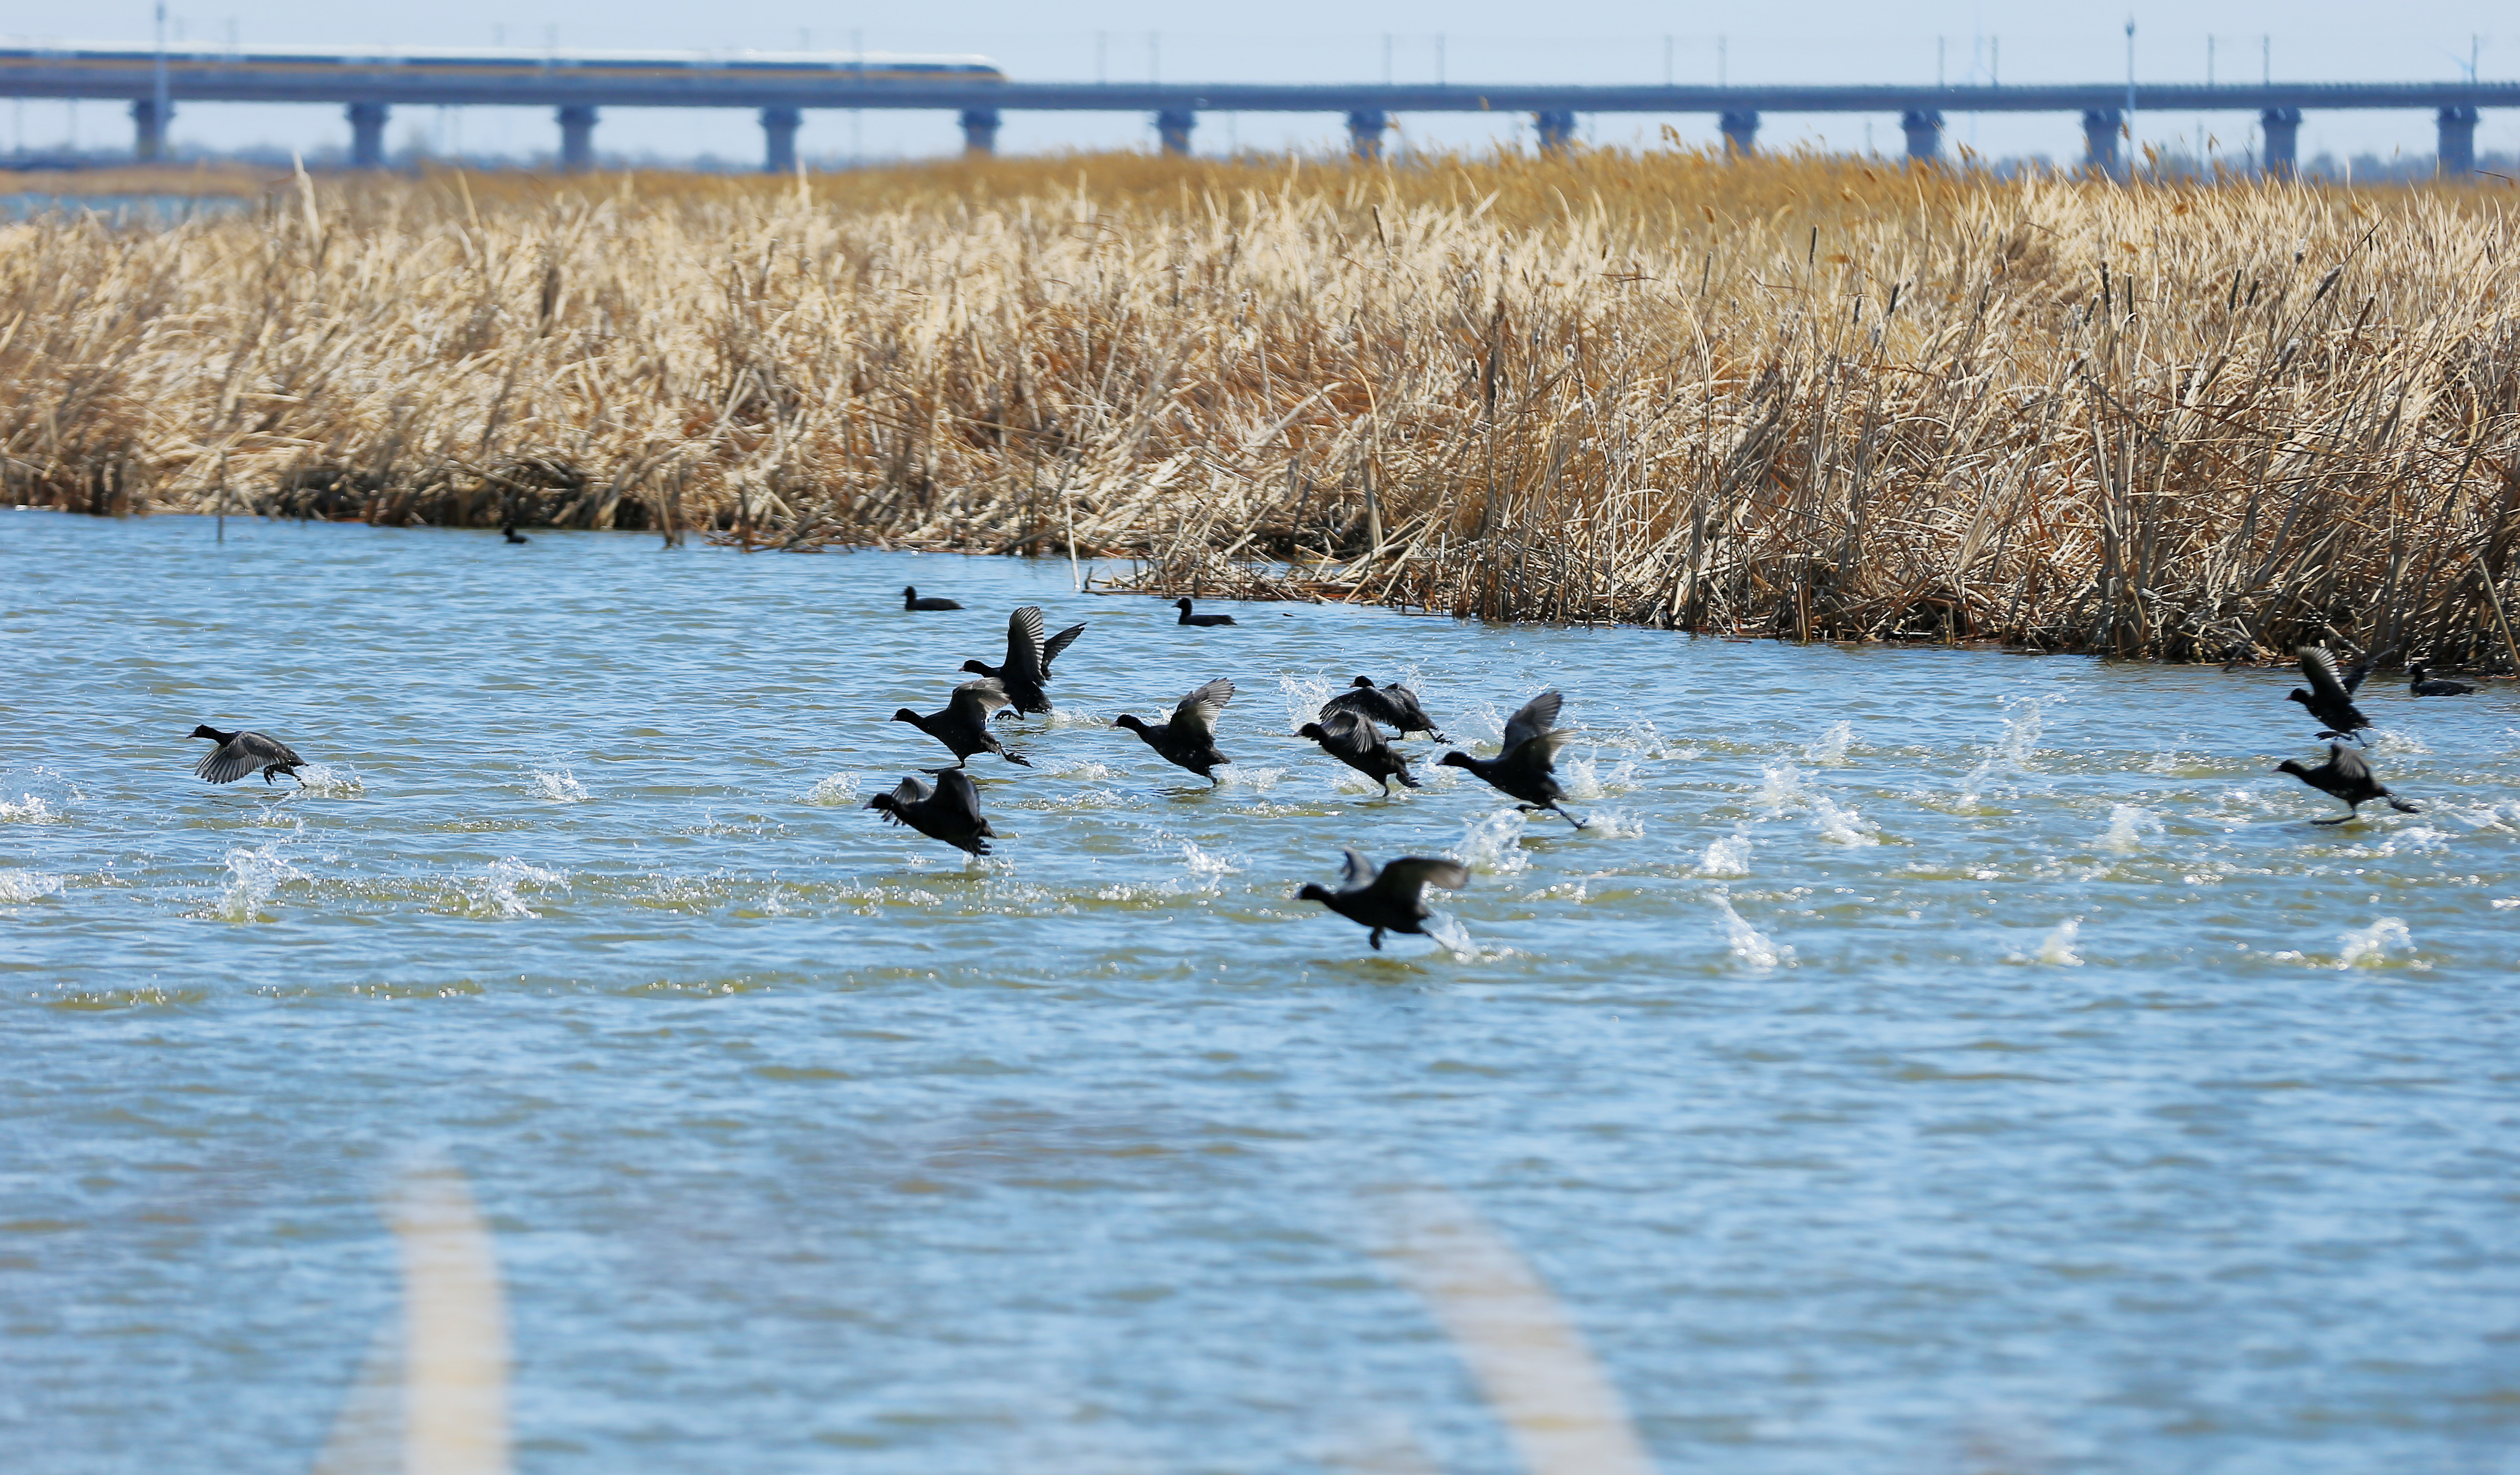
{"x":1794,"y":395}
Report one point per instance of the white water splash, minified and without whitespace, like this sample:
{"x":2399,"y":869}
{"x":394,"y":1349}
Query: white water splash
{"x":254,"y":877}
{"x":1585,"y":780}
{"x":1451,"y":935}
{"x":2370,"y":946}
{"x":1842,"y":826}
{"x":2058,"y":946}
{"x":16,"y":887}
{"x":325,"y":781}
{"x":1494,"y":845}
{"x":29,"y":809}
{"x":558,"y":786}
{"x":1249,"y":779}
{"x":1832,"y":748}
{"x":1303,"y":697}
{"x":2128,"y":828}
{"x":496,"y":892}
{"x":1614,"y":823}
{"x":833,"y":791}
{"x":1751,"y":946}
{"x":1208,"y":868}
{"x":1727,"y":856}
{"x":2013,"y":751}
{"x":1780,"y":788}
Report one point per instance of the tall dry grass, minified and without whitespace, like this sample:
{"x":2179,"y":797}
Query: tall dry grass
{"x":1798,"y":396}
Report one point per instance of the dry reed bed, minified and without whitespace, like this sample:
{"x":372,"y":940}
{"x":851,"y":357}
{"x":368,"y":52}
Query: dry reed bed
{"x":1794,"y":396}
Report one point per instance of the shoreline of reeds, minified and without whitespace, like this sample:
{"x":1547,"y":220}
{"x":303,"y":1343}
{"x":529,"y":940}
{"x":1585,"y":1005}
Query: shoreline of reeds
{"x":1803,"y":397}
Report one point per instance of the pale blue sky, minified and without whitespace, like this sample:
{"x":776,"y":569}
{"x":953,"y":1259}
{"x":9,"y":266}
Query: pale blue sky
{"x":1317,"y":40}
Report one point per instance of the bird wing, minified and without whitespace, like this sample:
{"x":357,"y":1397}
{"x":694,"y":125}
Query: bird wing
{"x":1023,"y":644}
{"x":1542,"y":748}
{"x":1059,"y":642}
{"x":2349,"y":765}
{"x":978,"y":698}
{"x":1197,"y":714}
{"x":1537,"y":716}
{"x":2370,"y":662}
{"x":2320,"y":669}
{"x":1358,"y":874}
{"x":1411,"y":713}
{"x":953,"y":790}
{"x":914,"y":791}
{"x":1407,"y":877}
{"x":226,"y":764}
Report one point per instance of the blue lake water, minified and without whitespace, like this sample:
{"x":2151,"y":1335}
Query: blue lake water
{"x":1929,"y":1060}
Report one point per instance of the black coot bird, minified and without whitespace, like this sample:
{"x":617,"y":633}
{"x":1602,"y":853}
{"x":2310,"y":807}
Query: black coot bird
{"x":910,"y":600}
{"x":2421,"y":683}
{"x":2330,"y":697}
{"x":1188,"y":737}
{"x":1394,"y":707}
{"x":1187,"y":617}
{"x":964,"y":725}
{"x":509,"y":530}
{"x":1526,"y":767}
{"x":239,"y":753}
{"x":1355,"y":741}
{"x":1392,"y":900}
{"x":1028,"y":658}
{"x":950,"y":811}
{"x":2348,"y":777}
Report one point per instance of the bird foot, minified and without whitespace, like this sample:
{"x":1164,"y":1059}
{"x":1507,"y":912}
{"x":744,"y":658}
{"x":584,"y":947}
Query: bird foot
{"x":2340,"y":820}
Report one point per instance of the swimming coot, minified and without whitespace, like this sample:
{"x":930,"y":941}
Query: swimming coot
{"x":1394,"y":707}
{"x":949,"y":811}
{"x":1392,"y":900}
{"x":964,"y":725}
{"x":910,"y":600}
{"x":2421,"y":683}
{"x":1187,"y":617}
{"x":239,"y":753}
{"x":2347,"y":776}
{"x":1188,"y":737}
{"x":1354,"y":740}
{"x":509,"y":531}
{"x":1526,"y":767}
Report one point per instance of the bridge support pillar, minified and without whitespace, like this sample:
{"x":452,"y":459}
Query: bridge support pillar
{"x":1173,"y":125}
{"x":979,"y":131}
{"x":577,"y":138}
{"x":367,"y":134}
{"x":2282,"y":128}
{"x":1740,"y":133}
{"x":778,"y":139}
{"x":1365,"y":129}
{"x":1924,"y":129}
{"x":1556,"y":127}
{"x":2457,"y":156}
{"x":149,"y":130}
{"x":2100,"y":140}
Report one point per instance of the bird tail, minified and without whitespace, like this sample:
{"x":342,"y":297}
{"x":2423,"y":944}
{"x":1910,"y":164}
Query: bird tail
{"x":2403,"y":807}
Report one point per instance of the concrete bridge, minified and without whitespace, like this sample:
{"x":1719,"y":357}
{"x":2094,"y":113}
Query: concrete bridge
{"x":783,"y":86}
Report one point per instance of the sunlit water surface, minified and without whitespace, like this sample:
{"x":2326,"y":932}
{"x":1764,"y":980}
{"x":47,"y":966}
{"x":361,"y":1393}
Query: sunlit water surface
{"x":1929,"y":1061}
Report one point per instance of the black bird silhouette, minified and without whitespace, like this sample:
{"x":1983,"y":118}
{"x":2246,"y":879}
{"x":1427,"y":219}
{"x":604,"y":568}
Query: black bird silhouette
{"x":2330,"y":697}
{"x":2348,"y":777}
{"x":1354,"y":740}
{"x":964,"y":725}
{"x":1392,"y":900}
{"x":1394,"y":707}
{"x":1028,"y":658}
{"x":1187,"y":617}
{"x":512,"y":536}
{"x":910,"y":600}
{"x":1526,"y":767}
{"x":239,"y":753}
{"x":1189,"y":738}
{"x":949,"y":811}
{"x":2422,"y":683}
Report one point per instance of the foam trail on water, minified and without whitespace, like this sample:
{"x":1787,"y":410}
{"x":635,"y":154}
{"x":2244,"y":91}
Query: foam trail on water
{"x":1750,"y":943}
{"x":29,"y":808}
{"x":2370,"y":946}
